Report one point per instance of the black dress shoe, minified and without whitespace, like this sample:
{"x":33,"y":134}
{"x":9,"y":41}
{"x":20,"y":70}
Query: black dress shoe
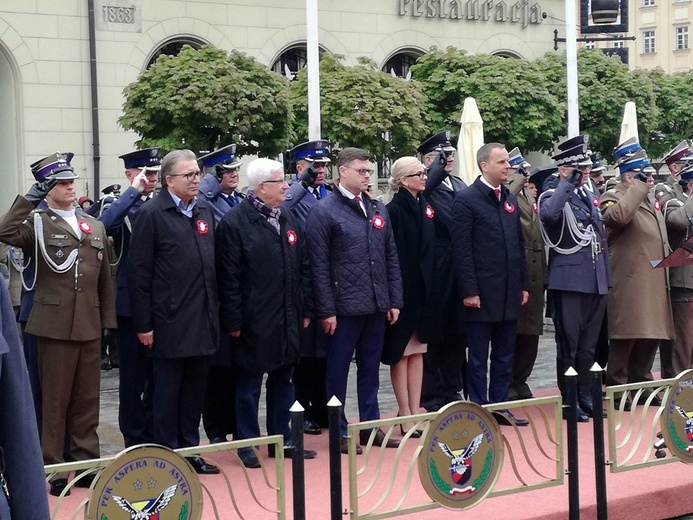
{"x":310,"y":427}
{"x":656,"y":401}
{"x":344,"y":446}
{"x":288,"y":452}
{"x":248,"y":458}
{"x":218,"y":440}
{"x":57,"y":487}
{"x":85,"y":481}
{"x":505,"y":418}
{"x":378,"y":440}
{"x":201,"y":467}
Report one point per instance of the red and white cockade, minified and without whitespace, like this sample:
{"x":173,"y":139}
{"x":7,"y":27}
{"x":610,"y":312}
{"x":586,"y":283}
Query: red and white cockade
{"x":429,"y":211}
{"x":291,"y":237}
{"x":84,"y":227}
{"x":202,"y":227}
{"x":378,"y":222}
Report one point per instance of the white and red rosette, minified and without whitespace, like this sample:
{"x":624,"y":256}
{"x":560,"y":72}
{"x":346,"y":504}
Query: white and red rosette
{"x":291,"y":237}
{"x":658,"y":205}
{"x":202,"y":227}
{"x":84,"y":227}
{"x":508,"y":207}
{"x":534,"y":206}
{"x":429,"y":211}
{"x":378,"y":222}
{"x":596,"y":202}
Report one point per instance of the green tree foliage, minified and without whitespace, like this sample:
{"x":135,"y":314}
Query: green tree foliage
{"x":362,"y":107}
{"x":517,"y":102}
{"x":605,"y":84}
{"x":674,"y":99}
{"x":204,"y":98}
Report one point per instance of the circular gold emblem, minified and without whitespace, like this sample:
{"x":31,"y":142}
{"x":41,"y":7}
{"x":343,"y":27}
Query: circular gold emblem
{"x":146,"y":482}
{"x":462,"y":455}
{"x":677,"y":420}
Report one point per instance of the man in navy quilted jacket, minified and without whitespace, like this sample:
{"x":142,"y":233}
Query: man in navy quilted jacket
{"x":357,"y":284}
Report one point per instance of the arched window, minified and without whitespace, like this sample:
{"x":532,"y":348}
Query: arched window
{"x":173,"y":47}
{"x":399,"y":63}
{"x":292,"y":59}
{"x":506,"y":54}
{"x":9,"y":131}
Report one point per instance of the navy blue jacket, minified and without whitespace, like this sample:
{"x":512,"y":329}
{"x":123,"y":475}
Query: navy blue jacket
{"x":172,"y":278}
{"x":117,"y":217}
{"x":264,"y":287}
{"x":575,"y":272}
{"x":353,"y":257}
{"x":489,"y":253}
{"x":18,"y":434}
{"x":300,"y":201}
{"x":210,"y":190}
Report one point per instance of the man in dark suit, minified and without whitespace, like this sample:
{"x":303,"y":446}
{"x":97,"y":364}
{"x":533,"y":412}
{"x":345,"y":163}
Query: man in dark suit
{"x":219,"y":188}
{"x":117,"y":214}
{"x":173,"y":293}
{"x":310,"y":160}
{"x":357,"y":284}
{"x":22,"y":467}
{"x":579,"y":273}
{"x":445,"y":360}
{"x":74,"y":301}
{"x":489,"y":259}
{"x":260,"y":245}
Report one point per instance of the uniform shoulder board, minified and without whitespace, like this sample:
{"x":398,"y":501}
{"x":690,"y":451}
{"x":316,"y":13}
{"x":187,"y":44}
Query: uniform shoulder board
{"x":608,"y":203}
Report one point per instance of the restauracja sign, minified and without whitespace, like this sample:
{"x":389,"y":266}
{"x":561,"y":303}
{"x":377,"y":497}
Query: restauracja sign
{"x":519,"y":12}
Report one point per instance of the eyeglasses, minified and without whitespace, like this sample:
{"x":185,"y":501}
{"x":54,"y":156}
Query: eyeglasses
{"x":189,"y":176}
{"x":362,"y":171}
{"x":420,"y":174}
{"x":282,"y":181}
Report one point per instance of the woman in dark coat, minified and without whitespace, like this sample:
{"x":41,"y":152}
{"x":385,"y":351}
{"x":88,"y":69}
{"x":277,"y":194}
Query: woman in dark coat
{"x":406,"y":341}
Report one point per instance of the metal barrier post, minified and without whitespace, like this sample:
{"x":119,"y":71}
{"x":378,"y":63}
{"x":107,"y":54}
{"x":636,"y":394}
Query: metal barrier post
{"x":334,"y":418}
{"x":598,"y":428}
{"x":573,"y":476}
{"x":298,"y":464}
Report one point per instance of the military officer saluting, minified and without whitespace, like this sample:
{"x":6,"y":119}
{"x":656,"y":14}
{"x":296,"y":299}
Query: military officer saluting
{"x":74,"y":301}
{"x":675,"y":159}
{"x":310,"y":160}
{"x":446,"y":359}
{"x":117,"y":215}
{"x":638,"y":308}
{"x":579,"y":273}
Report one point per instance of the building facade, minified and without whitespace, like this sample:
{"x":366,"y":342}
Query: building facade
{"x":48,"y":95}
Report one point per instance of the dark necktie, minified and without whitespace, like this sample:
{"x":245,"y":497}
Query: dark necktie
{"x":497,"y":192}
{"x":316,"y":192}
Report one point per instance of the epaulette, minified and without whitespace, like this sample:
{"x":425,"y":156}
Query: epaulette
{"x":607,"y":204}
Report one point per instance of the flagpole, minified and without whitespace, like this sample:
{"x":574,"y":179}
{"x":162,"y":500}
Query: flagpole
{"x":313,"y":70}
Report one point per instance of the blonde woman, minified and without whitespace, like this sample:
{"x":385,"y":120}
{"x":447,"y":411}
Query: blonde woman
{"x":406,"y":341}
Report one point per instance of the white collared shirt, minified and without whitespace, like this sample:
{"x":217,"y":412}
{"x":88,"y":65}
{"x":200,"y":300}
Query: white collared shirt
{"x":351,"y":196}
{"x":71,"y":218}
{"x":188,"y":212}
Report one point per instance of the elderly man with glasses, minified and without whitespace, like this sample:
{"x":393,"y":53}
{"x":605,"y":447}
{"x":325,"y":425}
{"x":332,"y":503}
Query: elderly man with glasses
{"x":357,"y":284}
{"x":266,"y":299}
{"x":173,"y":294}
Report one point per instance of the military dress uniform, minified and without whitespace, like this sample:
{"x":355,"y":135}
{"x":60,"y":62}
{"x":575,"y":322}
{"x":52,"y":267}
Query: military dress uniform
{"x":579,"y":271}
{"x":677,"y":355}
{"x":310,"y":372}
{"x":117,"y":214}
{"x":445,"y":361}
{"x":74,"y":301}
{"x":218,"y":415}
{"x":639,"y":306}
{"x":531,"y":324}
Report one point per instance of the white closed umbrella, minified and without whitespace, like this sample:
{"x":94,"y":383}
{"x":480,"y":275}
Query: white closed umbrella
{"x":629,"y":125}
{"x":470,"y":140}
